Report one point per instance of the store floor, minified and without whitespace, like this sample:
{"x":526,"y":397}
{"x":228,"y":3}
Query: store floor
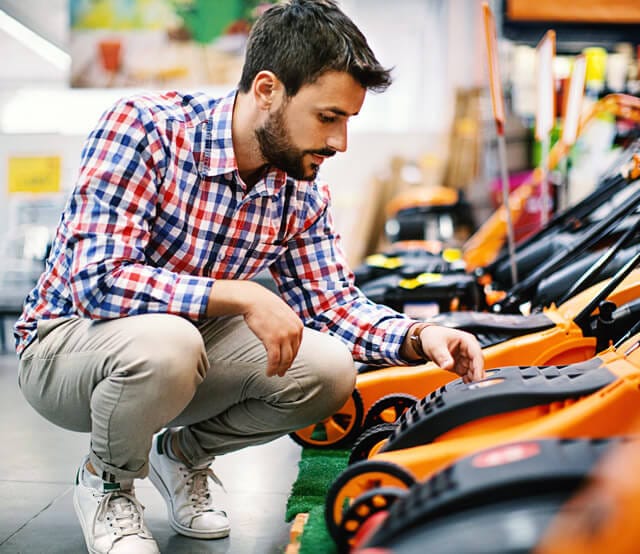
{"x":37,"y":466}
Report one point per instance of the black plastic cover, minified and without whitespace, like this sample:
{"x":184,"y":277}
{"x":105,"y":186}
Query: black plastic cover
{"x":503,"y":390}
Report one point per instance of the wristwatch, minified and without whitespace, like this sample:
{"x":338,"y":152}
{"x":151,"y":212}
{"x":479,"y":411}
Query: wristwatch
{"x":416,"y":343}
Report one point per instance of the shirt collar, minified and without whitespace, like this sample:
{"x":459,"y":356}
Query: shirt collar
{"x":219,"y":157}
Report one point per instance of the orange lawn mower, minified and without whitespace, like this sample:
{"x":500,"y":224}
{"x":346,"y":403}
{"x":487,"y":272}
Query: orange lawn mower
{"x":574,"y":341}
{"x":592,"y":399}
{"x":565,"y":334}
{"x":429,"y":213}
{"x":554,"y":337}
{"x":500,"y":500}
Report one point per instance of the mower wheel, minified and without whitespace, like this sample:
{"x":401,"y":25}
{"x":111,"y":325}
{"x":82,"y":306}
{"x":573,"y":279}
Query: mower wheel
{"x":370,"y":441}
{"x":360,"y":515}
{"x":338,"y":431}
{"x":388,"y":408}
{"x":356,"y":480}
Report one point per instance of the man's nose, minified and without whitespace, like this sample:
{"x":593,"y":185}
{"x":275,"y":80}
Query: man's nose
{"x":338,"y":140}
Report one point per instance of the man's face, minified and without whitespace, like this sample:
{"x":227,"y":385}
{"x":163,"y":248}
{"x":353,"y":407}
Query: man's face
{"x":311,"y":126}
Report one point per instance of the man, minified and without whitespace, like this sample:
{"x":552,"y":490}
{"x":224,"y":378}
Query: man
{"x":145,"y":318}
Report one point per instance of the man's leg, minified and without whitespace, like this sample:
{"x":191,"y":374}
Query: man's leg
{"x":237,"y":405}
{"x":121,"y":380}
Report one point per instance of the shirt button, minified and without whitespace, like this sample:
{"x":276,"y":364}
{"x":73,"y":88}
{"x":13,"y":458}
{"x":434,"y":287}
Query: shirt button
{"x":221,"y":256}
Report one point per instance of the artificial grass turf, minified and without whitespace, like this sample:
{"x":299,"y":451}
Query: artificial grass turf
{"x":317,"y":470}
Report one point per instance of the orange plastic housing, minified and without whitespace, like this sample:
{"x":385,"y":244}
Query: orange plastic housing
{"x":562,"y":344}
{"x":603,"y":517}
{"x":422,"y":197}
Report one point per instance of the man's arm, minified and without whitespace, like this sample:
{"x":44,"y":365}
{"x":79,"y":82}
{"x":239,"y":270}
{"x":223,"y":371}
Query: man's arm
{"x":314,"y":279}
{"x":108,"y":225}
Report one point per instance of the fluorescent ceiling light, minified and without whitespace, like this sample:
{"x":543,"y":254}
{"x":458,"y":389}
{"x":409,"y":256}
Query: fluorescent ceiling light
{"x":42,"y":47}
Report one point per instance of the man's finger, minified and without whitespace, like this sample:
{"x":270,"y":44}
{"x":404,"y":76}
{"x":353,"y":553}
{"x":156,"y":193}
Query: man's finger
{"x":478,"y":371}
{"x":273,"y":359}
{"x":286,"y":358}
{"x":476,"y":360}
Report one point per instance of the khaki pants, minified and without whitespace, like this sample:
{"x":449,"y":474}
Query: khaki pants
{"x":123,"y":380}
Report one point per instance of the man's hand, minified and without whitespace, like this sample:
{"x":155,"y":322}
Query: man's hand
{"x":266,"y":314}
{"x":454,"y":350}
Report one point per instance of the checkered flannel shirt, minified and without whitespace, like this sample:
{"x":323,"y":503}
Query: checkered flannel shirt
{"x":159,"y":212}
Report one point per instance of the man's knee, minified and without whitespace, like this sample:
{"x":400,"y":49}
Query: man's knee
{"x":342,"y":374}
{"x":333,"y":369}
{"x":171,"y":349}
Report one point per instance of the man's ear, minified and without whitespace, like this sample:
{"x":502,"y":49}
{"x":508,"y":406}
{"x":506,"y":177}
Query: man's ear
{"x":267,"y":89}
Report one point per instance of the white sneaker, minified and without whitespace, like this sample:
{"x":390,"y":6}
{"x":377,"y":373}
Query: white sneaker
{"x":186,"y":492}
{"x":110,"y":516}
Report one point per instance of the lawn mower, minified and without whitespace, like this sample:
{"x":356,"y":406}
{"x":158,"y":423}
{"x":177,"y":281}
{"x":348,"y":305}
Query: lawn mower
{"x":595,"y":398}
{"x":573,"y":233}
{"x":500,"y":500}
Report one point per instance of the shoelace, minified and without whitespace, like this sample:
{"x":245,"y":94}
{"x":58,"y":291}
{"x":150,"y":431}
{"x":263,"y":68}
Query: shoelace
{"x":127,"y":512}
{"x":196,"y":481}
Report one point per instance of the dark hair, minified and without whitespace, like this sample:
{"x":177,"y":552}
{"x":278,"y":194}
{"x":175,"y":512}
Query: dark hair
{"x":299,"y":40}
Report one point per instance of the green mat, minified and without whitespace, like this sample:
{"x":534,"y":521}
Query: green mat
{"x":317,"y":470}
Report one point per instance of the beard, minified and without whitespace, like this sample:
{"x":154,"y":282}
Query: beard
{"x":278,"y":149}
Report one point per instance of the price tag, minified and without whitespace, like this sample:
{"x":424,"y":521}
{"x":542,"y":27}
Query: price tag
{"x":574,"y":101}
{"x":545,"y":112}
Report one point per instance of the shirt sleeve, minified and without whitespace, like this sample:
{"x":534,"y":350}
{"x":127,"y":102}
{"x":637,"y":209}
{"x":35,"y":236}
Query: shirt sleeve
{"x":314,"y":279}
{"x":109,"y":217}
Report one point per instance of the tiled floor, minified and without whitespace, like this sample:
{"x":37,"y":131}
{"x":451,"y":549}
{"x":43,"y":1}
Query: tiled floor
{"x":37,"y":467}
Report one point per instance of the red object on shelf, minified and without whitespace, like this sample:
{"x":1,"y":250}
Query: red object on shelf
{"x":110,"y":54}
{"x":531,"y":217}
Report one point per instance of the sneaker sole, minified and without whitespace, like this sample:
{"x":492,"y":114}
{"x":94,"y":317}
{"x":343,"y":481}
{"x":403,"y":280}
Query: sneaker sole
{"x":157,"y":481}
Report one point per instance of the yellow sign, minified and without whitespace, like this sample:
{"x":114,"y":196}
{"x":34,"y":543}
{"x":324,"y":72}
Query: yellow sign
{"x":34,"y":174}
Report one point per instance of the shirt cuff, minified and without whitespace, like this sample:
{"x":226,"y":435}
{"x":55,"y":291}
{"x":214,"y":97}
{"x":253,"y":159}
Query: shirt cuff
{"x":394,"y":333}
{"x":190,"y":296}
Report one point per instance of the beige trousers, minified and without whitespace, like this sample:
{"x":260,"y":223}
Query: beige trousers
{"x":125,"y":379}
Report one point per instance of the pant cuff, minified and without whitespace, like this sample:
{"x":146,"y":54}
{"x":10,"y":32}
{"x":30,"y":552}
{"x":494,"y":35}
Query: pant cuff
{"x":190,"y":448}
{"x":113,"y":474}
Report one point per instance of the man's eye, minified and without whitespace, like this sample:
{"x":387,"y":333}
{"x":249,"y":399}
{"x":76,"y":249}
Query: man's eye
{"x":326,"y":118}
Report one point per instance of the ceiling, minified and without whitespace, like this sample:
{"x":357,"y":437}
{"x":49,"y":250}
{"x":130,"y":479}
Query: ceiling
{"x":21,"y":64}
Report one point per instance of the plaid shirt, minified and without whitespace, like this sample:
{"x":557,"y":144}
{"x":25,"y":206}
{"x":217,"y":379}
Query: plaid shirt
{"x":159,"y":212}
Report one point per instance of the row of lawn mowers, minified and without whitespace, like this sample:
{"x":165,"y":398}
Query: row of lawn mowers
{"x":438,"y":465}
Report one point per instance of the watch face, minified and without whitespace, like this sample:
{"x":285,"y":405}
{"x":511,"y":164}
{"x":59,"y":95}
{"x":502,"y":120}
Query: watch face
{"x":416,"y":344}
